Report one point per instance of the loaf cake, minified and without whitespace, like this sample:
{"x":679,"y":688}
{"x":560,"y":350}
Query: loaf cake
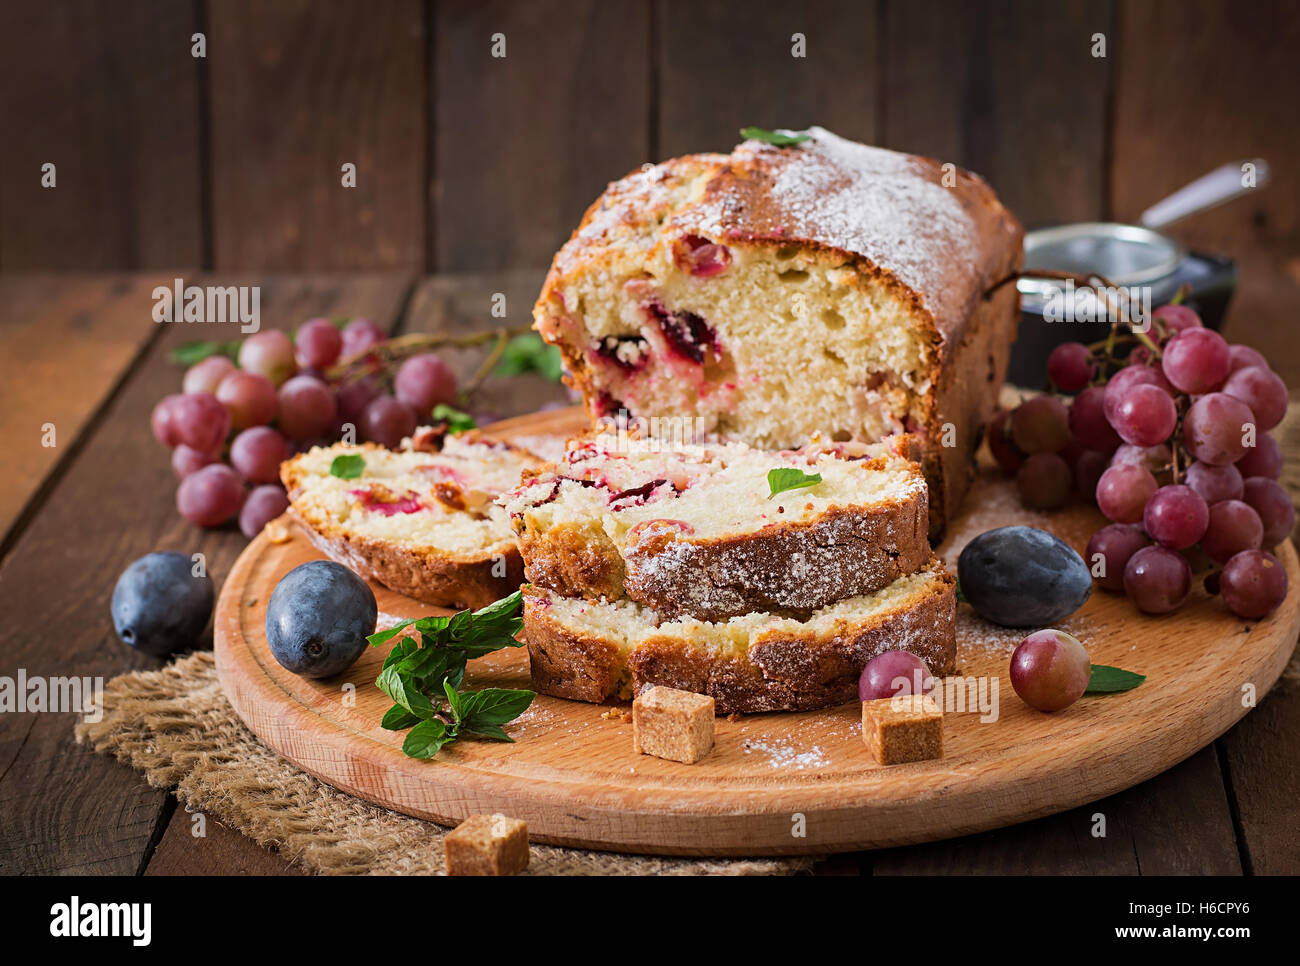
{"x":695,"y":530}
{"x":775,"y":292}
{"x":420,"y":520}
{"x":596,"y":650}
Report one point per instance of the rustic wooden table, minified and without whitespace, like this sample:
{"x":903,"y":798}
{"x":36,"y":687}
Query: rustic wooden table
{"x":82,"y":353}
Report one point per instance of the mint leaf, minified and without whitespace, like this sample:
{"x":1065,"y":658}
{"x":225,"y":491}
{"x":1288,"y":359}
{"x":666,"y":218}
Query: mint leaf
{"x":398,"y":718}
{"x":347,"y":466}
{"x":961,"y":598}
{"x":528,"y":353}
{"x":457,"y":421}
{"x":787,"y":478}
{"x":379,"y":637}
{"x":1111,"y":680}
{"x":192,"y":352}
{"x":426,"y":739}
{"x":454,"y":702}
{"x":395,"y":684}
{"x":774,"y":138}
{"x":495,"y":732}
{"x":494,"y":706}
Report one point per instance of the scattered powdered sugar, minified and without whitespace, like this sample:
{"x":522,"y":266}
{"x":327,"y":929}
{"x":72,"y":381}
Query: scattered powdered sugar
{"x":781,"y":754}
{"x":886,"y":206}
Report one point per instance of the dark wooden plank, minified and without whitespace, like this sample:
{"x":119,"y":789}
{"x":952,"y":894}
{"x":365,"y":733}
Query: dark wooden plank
{"x":299,"y":88}
{"x":1175,"y":824}
{"x":524,"y":143}
{"x":456,"y":304}
{"x":1223,"y":81}
{"x":68,"y":341}
{"x":219,"y":850}
{"x":62,"y":807}
{"x":1007,"y":89}
{"x":1260,"y":756}
{"x":108,"y":93}
{"x":722,"y":67}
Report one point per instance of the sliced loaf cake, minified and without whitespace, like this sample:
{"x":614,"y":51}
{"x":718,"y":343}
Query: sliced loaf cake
{"x":597,"y":650}
{"x":420,"y":520}
{"x":695,"y":530}
{"x":780,"y":291}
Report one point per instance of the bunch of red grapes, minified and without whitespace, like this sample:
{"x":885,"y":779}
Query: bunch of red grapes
{"x":232,"y":425}
{"x":1172,"y":444}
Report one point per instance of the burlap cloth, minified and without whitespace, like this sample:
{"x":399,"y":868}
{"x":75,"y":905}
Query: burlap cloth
{"x":176,"y":726}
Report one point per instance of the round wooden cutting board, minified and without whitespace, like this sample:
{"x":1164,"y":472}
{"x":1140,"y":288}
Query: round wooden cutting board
{"x":777,"y":783}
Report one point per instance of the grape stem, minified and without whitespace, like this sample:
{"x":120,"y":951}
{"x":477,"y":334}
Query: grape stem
{"x":404,"y":346}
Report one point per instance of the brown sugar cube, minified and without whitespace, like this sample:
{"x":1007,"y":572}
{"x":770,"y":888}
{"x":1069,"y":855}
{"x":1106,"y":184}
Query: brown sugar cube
{"x":912,"y":731}
{"x":487,"y":845}
{"x":672,"y":724}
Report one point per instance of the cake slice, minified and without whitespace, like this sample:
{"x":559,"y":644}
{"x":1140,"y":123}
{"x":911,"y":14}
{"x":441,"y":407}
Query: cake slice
{"x":420,"y":520}
{"x":780,"y":291}
{"x":695,"y":530}
{"x":596,"y":650}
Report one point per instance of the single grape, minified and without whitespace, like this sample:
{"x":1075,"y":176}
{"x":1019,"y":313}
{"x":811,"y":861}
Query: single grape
{"x":1087,"y":472}
{"x":1176,"y":516}
{"x":1070,"y":366}
{"x":894,"y":672}
{"x":263,"y":505}
{"x":360,"y":335}
{"x":1273,"y":504}
{"x":1262,"y":459}
{"x":1123,"y":492}
{"x":1154,"y":458}
{"x":250,"y":398}
{"x":1125,"y":379}
{"x":1216,"y":427}
{"x":317,"y":344}
{"x":257,"y":453}
{"x":1088,"y":422}
{"x":210,"y":496}
{"x":1261,"y":390}
{"x":1050,"y":670}
{"x":1044,"y":481}
{"x":1215,"y":483}
{"x":268,"y":354}
{"x":1241,"y":356}
{"x":307,"y":408}
{"x":1176,"y":318}
{"x":162,"y":421}
{"x":1041,"y":425}
{"x":1157,"y":580}
{"x":1109,"y":551}
{"x":1145,"y":416}
{"x":206,"y":375}
{"x":1253,"y":584}
{"x":187,"y":460}
{"x":354,"y":397}
{"x":1196,"y":361}
{"x":387,"y":421}
{"x":423,"y":381}
{"x":200,"y":421}
{"x":1234,"y":526}
{"x":1003,"y":449}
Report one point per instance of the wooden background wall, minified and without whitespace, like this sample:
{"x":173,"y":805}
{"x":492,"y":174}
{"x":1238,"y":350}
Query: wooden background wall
{"x":468,"y":162}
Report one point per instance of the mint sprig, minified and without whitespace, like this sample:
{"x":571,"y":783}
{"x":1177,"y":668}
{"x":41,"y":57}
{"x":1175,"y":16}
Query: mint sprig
{"x":528,"y":353}
{"x":423,"y":677}
{"x":347,"y":466}
{"x":457,"y":421}
{"x":775,"y":138}
{"x":1112,"y":680}
{"x":787,"y":478}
